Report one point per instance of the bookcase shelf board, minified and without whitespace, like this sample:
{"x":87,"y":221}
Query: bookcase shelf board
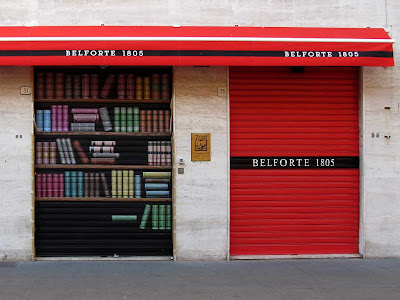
{"x":100,"y":133}
{"x":103,"y":199}
{"x":103,"y":167}
{"x":102,"y":101}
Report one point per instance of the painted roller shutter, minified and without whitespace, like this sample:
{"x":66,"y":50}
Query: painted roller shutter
{"x":285,"y":112}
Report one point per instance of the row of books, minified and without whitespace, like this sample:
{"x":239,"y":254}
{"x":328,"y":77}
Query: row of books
{"x":124,"y":184}
{"x":61,"y":85}
{"x":159,"y":153}
{"x":160,"y":216}
{"x":155,"y":120}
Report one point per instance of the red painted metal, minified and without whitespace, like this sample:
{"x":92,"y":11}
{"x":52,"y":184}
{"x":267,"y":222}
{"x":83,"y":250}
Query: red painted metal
{"x":276,"y":112}
{"x":385,"y":58}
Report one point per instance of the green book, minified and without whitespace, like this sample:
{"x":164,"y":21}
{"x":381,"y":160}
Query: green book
{"x":123,"y":119}
{"x":114,"y":184}
{"x":124,"y":217}
{"x":154,"y":222}
{"x":168,"y":217}
{"x":129,"y":119}
{"x":136,"y":119}
{"x":125,"y":183}
{"x":117,"y":123}
{"x":161,"y":218}
{"x":131,"y":184}
{"x":156,"y":174}
{"x":119,"y":184}
{"x":145,"y":216}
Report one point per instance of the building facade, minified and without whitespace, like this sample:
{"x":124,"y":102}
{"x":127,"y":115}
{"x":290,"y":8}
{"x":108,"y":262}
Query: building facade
{"x":202,"y":207}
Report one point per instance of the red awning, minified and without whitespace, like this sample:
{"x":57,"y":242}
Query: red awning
{"x":195,"y":46}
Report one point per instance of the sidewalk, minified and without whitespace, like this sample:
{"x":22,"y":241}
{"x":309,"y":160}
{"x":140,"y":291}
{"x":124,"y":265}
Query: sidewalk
{"x":274,"y":279}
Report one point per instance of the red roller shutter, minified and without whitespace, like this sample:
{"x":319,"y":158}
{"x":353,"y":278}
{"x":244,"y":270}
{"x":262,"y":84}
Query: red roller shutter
{"x":293,"y":113}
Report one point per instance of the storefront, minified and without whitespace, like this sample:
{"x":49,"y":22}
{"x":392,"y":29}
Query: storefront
{"x":110,"y":173}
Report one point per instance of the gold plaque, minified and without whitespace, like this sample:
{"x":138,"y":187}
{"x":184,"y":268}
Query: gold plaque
{"x":201,"y":147}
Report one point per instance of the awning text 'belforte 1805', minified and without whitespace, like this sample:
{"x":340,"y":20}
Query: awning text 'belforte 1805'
{"x":194,"y":46}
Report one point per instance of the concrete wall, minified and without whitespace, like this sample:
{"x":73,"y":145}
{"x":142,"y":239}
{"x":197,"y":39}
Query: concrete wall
{"x":201,"y":214}
{"x":15,"y":164}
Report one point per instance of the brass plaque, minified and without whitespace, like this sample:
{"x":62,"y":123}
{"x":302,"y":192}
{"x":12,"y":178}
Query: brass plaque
{"x":201,"y":147}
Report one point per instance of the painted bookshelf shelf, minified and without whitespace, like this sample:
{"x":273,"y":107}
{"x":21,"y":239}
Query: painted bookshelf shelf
{"x":102,"y":101}
{"x":103,"y":199}
{"x":104,"y":167}
{"x":100,"y":133}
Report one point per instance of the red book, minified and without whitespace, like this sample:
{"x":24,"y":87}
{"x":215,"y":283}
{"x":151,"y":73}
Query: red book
{"x":49,"y":185}
{"x":68,"y":86}
{"x":61,"y":185}
{"x":155,"y":120}
{"x":65,"y":118}
{"x":53,"y":153}
{"x":130,"y":86}
{"x":103,"y":161}
{"x":94,"y":86}
{"x":49,"y":85}
{"x":39,"y":179}
{"x":121,"y":86}
{"x":167,"y":121}
{"x":59,"y":85}
{"x":82,"y":155}
{"x":46,"y":153}
{"x":44,"y":185}
{"x":59,"y":118}
{"x":40,"y":86}
{"x":76,"y":86}
{"x":142,"y":120}
{"x":56,"y":188}
{"x":149,"y":120}
{"x":85,"y":86}
{"x":161,"y":122}
{"x":105,"y":92}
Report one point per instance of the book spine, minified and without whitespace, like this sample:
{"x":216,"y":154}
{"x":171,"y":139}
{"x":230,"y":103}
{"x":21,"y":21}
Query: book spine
{"x":158,"y":153}
{"x":131,"y":184}
{"x":154,"y":222}
{"x":61,"y":184}
{"x":65,"y":118}
{"x":156,"y":174}
{"x":82,"y":155}
{"x":114,"y":183}
{"x":138,"y":186}
{"x":168,"y":217}
{"x":49,"y":185}
{"x":40,"y":119}
{"x":125,"y":184}
{"x":150,"y":153}
{"x":105,"y":155}
{"x":105,"y":184}
{"x":167,"y":121}
{"x":40,"y":86}
{"x":46,"y":154}
{"x":83,"y":127}
{"x":165,"y":95}
{"x":44,"y":185}
{"x":149,"y":121}
{"x":105,"y":119}
{"x":157,"y":194}
{"x":53,"y":118}
{"x":68,"y":86}
{"x":155,"y":120}
{"x":105,"y":92}
{"x":76,"y":86}
{"x":156,"y":186}
{"x":39,"y":153}
{"x":86,"y":118}
{"x":85,"y":86}
{"x":97,"y":184}
{"x":139,"y":88}
{"x":103,"y":143}
{"x":145,"y":216}
{"x":146,"y":88}
{"x":136,"y":119}
{"x":91,"y":185}
{"x":102,"y":161}
{"x":121,"y":86}
{"x":66,"y":152}
{"x":101,"y":149}
{"x":155,"y":86}
{"x":117,"y":124}
{"x":59,"y":85}
{"x":74,"y":184}
{"x":71,"y":151}
{"x":142,"y":121}
{"x":130,"y":86}
{"x":59,"y":118}
{"x":161,"y":220}
{"x":80,"y":184}
{"x":49,"y":85}
{"x":94,"y":86}
{"x":163,"y":152}
{"x":67,"y":183}
{"x":47,"y":120}
{"x":56,"y":188}
{"x":157,"y":180}
{"x":39,"y":188}
{"x":86,"y":185}
{"x":161,"y":122}
{"x":168,"y":153}
{"x":123,"y":119}
{"x":119,"y":184}
{"x":129,"y":119}
{"x":53,"y":153}
{"x":85,"y":111}
{"x":61,"y":151}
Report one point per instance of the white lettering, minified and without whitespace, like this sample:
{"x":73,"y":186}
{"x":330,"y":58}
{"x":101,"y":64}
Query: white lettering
{"x":67,"y":53}
{"x":106,"y":52}
{"x":73,"y":52}
{"x":311,"y":54}
{"x":292,"y":54}
{"x":262,"y":162}
{"x":275,"y":162}
{"x":93,"y":52}
{"x":268,"y":163}
{"x":80,"y":53}
{"x":112,"y":52}
{"x":291,"y":162}
{"x":317,"y":54}
{"x":100,"y":52}
{"x":255,"y":163}
{"x":323,"y":53}
{"x":329,"y":54}
{"x":86,"y":52}
{"x":287,"y":54}
{"x":299,"y":161}
{"x":306,"y":162}
{"x":283,"y":162}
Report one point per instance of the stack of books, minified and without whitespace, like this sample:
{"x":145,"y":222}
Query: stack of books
{"x":161,"y":216}
{"x":159,"y":153}
{"x":103,"y":152}
{"x":156,"y":184}
{"x":126,"y":119}
{"x":49,"y":185}
{"x":84,"y":119}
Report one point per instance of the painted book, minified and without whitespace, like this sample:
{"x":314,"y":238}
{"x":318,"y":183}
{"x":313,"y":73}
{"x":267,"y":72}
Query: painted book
{"x":145,"y":216}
